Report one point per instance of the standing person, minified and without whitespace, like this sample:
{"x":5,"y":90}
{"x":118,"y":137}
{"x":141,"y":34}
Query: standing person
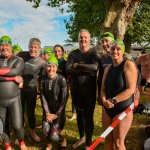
{"x":16,"y":49}
{"x":117,"y":94}
{"x":53,"y":89}
{"x":34,"y":66}
{"x":48,"y":52}
{"x":59,"y":53}
{"x":82,"y":65}
{"x":144,"y":61}
{"x":11,"y":68}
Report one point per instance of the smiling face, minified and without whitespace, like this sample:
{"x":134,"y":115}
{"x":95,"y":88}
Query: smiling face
{"x":34,"y":50}
{"x":84,"y":41}
{"x":105,"y":43}
{"x":58,"y":52}
{"x":5,"y":49}
{"x":51,"y":70}
{"x":116,"y":52}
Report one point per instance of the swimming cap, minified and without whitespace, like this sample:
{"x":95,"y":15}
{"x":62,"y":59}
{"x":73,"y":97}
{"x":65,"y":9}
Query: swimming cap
{"x":118,"y":42}
{"x":75,"y":48}
{"x":52,"y":60}
{"x":16,"y":48}
{"x":48,"y":50}
{"x":5,"y":39}
{"x":148,"y":51}
{"x":107,"y":35}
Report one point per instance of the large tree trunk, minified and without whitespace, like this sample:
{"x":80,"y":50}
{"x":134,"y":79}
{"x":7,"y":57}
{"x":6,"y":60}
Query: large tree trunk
{"x":120,"y":13}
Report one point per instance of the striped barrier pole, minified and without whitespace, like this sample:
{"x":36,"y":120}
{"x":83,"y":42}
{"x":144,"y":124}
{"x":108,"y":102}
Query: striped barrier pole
{"x":112,"y":126}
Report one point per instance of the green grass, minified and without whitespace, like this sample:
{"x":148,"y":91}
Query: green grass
{"x":135,"y":138}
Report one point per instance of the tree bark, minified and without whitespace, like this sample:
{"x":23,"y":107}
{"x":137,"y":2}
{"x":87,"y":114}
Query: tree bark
{"x":119,"y":15}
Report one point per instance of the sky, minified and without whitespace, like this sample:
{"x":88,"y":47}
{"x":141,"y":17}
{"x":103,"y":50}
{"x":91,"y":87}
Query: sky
{"x":20,"y":21}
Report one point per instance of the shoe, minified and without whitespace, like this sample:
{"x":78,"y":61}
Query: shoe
{"x":78,"y":143}
{"x":73,"y":117}
{"x":62,"y":145}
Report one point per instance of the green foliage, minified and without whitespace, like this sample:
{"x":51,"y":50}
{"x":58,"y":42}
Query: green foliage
{"x":139,"y":29}
{"x":90,"y":14}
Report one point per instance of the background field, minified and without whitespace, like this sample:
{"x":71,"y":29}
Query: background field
{"x":134,"y":141}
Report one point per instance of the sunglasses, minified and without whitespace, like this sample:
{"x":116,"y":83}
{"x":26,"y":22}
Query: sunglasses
{"x":6,"y":41}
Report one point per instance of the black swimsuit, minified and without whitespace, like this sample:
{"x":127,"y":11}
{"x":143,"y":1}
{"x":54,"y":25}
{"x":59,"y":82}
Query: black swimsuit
{"x":115,"y":83}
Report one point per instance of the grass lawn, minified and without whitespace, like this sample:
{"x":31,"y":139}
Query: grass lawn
{"x":134,"y":141}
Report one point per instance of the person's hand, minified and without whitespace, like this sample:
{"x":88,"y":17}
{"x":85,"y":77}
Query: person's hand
{"x":51,"y":117}
{"x":18,"y":79}
{"x":74,"y":65}
{"x":136,"y":95}
{"x":107,"y":103}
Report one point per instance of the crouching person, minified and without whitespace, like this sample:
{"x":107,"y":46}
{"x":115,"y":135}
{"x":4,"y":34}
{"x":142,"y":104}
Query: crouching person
{"x":53,"y":90}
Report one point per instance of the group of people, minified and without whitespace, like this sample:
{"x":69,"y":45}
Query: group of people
{"x":89,"y":75}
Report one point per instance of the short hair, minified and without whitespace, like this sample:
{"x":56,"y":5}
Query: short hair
{"x":57,"y":45}
{"x":84,"y":30}
{"x":35,"y":41}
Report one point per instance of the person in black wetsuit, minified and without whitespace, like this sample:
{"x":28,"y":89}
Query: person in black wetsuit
{"x":117,"y":94}
{"x":34,"y":66}
{"x":82,"y":65}
{"x":11,"y":68}
{"x":53,"y":89}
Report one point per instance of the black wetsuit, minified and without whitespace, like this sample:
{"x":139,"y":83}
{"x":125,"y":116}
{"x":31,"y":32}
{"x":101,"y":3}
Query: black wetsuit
{"x":54,"y":98}
{"x":84,"y":89}
{"x":115,"y":83}
{"x":10,"y":101}
{"x":33,"y":68}
{"x":62,"y":67}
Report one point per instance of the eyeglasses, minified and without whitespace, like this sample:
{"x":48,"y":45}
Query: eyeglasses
{"x":6,"y":41}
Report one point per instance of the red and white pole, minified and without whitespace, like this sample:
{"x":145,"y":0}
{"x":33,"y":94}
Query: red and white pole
{"x":112,"y":126}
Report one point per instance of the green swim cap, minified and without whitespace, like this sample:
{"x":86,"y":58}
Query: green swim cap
{"x":16,"y":48}
{"x":107,"y":35}
{"x":48,"y":50}
{"x":52,"y":60}
{"x":75,"y":48}
{"x":118,"y":42}
{"x":148,"y":51}
{"x":6,"y":39}
{"x":42,"y":51}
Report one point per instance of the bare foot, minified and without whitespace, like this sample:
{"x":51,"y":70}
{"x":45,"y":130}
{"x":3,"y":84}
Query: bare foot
{"x":35,"y":136}
{"x":73,"y":117}
{"x":16,"y":142}
{"x":63,"y":143}
{"x":87,"y":148}
{"x":49,"y":146}
{"x":78,"y":143}
{"x":23,"y":147}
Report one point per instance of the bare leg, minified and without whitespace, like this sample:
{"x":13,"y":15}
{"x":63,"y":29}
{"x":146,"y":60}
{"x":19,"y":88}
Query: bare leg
{"x":120,"y":132}
{"x":106,"y":122}
{"x":34,"y":135}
